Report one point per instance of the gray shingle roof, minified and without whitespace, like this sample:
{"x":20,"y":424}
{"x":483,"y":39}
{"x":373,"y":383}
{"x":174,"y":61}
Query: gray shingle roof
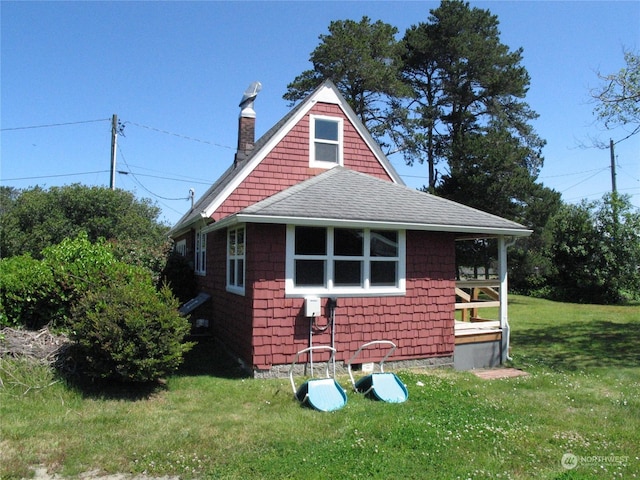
{"x":232,"y":172}
{"x":343,"y":196}
{"x":243,"y":163}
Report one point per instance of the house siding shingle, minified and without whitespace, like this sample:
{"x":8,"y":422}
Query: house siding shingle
{"x":230,"y":313}
{"x":288,"y":163}
{"x":280,"y":328}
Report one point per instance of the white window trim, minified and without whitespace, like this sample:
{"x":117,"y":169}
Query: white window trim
{"x":330,"y":290}
{"x":200,"y":264}
{"x":313,"y":163}
{"x":236,"y":288}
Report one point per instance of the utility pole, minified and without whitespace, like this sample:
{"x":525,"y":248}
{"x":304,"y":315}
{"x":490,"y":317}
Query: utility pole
{"x":614,"y":192}
{"x":613,"y":168}
{"x":114,"y":146}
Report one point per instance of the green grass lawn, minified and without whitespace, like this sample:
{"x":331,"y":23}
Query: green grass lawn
{"x":581,"y":397}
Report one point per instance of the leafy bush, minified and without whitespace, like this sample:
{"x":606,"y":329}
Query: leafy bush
{"x":77,"y":265}
{"x":28,"y":293}
{"x":127,"y":330}
{"x":596,"y":251}
{"x":34,"y":218}
{"x":152,"y":256}
{"x":35,"y":293}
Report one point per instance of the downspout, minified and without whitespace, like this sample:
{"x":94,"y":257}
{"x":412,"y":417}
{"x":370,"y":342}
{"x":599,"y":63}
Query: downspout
{"x":332,"y":304}
{"x":504,"y":317}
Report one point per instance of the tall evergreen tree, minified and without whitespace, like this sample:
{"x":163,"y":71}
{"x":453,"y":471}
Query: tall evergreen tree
{"x":362,"y":59}
{"x":466,"y":83}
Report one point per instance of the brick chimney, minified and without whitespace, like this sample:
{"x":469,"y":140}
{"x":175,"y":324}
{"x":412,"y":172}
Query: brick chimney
{"x":246,"y":130}
{"x":247,"y":122}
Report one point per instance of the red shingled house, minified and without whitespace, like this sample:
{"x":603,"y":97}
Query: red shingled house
{"x":314,"y":210}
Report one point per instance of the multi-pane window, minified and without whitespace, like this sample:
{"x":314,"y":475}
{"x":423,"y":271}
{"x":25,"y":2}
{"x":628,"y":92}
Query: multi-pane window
{"x":326,"y":141}
{"x":201,"y":253}
{"x":347,"y":260}
{"x":236,"y":241}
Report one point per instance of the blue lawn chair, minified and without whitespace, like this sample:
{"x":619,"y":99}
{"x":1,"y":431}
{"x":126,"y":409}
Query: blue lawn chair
{"x":323,"y":394}
{"x":379,"y":385}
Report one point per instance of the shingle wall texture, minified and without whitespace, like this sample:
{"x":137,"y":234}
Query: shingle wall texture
{"x":288,"y":163}
{"x":266,"y":329}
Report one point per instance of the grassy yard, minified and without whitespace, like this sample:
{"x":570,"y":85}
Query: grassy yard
{"x":581,"y":397}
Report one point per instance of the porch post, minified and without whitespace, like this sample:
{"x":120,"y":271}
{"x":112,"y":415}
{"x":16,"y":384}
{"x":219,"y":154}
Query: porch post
{"x":504,"y":318}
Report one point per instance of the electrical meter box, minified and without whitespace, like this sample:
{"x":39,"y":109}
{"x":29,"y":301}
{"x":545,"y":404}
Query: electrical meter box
{"x":312,"y":306}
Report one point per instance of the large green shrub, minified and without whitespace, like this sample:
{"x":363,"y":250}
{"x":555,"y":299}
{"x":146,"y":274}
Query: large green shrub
{"x":34,"y":218}
{"x":127,"y":330}
{"x":34,"y":293}
{"x":28,"y":293}
{"x":77,"y":265}
{"x":596,"y":251}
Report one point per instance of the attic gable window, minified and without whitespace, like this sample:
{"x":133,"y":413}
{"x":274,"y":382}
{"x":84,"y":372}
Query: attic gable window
{"x":325,"y":141}
{"x":344,"y":261}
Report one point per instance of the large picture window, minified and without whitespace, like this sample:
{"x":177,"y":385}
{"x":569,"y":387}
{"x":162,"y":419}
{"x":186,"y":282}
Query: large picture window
{"x":329,"y":260}
{"x":236,"y":240}
{"x":325,"y":141}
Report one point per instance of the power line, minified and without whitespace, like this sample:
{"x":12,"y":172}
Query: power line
{"x":186,"y":137}
{"x":571,"y":174}
{"x":174,"y":176}
{"x":586,"y":179}
{"x":133,"y":175}
{"x":55,"y":124}
{"x":600,"y":194}
{"x":186,"y":180}
{"x":53,"y":176}
{"x":628,"y":174}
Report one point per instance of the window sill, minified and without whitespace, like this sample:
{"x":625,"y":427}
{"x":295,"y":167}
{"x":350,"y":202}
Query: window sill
{"x":345,"y":292}
{"x":324,"y":165}
{"x":235,"y":290}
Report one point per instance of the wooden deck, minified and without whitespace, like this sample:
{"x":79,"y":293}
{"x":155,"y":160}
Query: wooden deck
{"x":477,"y":332}
{"x":478,"y":341}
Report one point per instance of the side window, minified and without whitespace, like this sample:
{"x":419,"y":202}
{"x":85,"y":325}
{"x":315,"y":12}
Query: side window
{"x":236,"y":242}
{"x":201,"y":253}
{"x":325,"y":142}
{"x":181,"y":248}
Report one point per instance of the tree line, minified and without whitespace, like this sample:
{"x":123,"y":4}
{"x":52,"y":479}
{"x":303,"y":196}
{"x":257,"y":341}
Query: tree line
{"x":449,"y":95}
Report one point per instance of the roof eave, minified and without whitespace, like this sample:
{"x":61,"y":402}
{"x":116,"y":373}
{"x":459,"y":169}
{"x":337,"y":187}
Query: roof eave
{"x":471,"y":231}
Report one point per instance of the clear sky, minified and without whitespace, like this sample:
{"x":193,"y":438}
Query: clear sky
{"x":174,"y":73}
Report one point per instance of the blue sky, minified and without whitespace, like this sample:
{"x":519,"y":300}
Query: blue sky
{"x":174,"y":73}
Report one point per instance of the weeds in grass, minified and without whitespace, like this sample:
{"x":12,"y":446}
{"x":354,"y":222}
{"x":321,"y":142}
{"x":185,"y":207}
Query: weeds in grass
{"x":210,"y":422}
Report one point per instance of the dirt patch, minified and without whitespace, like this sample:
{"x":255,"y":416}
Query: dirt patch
{"x":498,"y":373}
{"x":42,"y":474}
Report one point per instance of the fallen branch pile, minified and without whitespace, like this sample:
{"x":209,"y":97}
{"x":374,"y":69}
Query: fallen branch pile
{"x":40,"y":345}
